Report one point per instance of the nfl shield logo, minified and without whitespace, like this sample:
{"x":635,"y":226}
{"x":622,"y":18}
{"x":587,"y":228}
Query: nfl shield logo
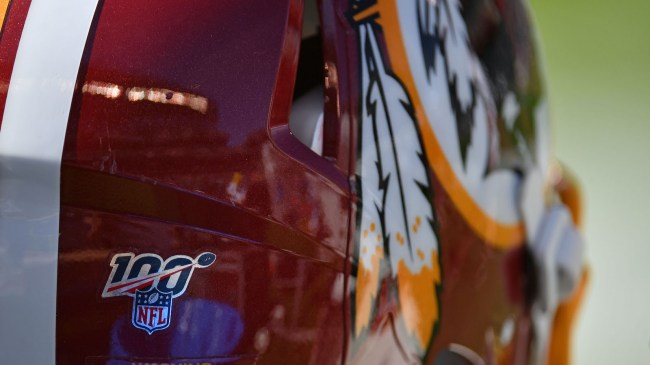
{"x":152,"y":309}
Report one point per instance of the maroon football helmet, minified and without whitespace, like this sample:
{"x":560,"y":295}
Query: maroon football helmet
{"x":278,"y":182}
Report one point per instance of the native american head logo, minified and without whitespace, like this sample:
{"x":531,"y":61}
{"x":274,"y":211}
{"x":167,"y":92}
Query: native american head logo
{"x":427,"y":107}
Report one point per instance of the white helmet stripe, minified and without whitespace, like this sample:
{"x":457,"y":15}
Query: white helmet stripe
{"x":31,"y":143}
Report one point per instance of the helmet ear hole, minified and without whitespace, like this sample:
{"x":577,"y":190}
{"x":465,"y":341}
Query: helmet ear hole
{"x":306,"y":118}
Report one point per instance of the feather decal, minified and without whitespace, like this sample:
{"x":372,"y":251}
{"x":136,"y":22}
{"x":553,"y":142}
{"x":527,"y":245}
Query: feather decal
{"x":371,"y":233}
{"x":396,"y":213}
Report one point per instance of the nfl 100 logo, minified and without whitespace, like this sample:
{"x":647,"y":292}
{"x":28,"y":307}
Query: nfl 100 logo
{"x":153,"y":284}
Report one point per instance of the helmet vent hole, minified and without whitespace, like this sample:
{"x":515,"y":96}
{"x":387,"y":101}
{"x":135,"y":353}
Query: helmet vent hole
{"x":306,"y":119}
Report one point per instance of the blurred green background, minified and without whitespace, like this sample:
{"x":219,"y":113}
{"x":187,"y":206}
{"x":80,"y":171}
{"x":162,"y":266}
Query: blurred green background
{"x":597,"y":57}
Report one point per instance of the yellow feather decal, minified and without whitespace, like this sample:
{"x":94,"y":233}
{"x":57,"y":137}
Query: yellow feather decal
{"x":418,"y":299}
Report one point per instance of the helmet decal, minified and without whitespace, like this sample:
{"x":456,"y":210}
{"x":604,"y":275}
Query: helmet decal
{"x":427,"y":106}
{"x":153,"y":283}
{"x":428,"y":48}
{"x":396,"y":215}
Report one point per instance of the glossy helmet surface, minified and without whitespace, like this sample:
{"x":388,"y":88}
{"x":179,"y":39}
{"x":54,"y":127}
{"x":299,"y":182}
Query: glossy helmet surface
{"x":265,"y":182}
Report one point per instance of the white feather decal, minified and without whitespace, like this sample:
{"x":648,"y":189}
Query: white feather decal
{"x":395,"y":196}
{"x":371,"y":237}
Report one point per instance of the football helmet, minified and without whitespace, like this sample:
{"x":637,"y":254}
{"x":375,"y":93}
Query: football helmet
{"x":265,"y":182}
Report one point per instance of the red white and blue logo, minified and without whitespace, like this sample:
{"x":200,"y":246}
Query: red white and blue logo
{"x":152,"y":310}
{"x":153,"y":284}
